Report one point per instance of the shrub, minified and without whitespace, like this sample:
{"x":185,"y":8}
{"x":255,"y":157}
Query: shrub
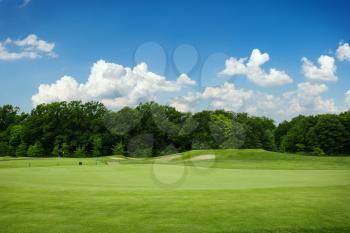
{"x":56,"y":151}
{"x":21,"y":150}
{"x":35,"y":150}
{"x":318,"y":151}
{"x":118,"y":149}
{"x":80,"y":152}
{"x":64,"y":151}
{"x":4,"y":149}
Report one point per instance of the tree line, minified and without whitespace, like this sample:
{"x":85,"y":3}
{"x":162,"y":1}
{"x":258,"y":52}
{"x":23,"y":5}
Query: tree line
{"x":76,"y":129}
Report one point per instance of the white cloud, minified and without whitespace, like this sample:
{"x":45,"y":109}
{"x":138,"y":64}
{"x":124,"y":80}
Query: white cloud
{"x":112,"y":84}
{"x":252,"y":70}
{"x":326,"y":71}
{"x":347,"y":97}
{"x":65,"y":89}
{"x":187,"y":103}
{"x":32,"y":42}
{"x":312,"y":89}
{"x":185,"y":80}
{"x":226,"y":97}
{"x":306,"y":99}
{"x":309,"y":98}
{"x":30,"y":47}
{"x":118,"y":86}
{"x":343,"y":52}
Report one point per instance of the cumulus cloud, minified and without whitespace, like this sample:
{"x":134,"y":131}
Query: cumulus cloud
{"x":112,"y":84}
{"x":325,"y":72}
{"x":347,"y":97}
{"x":226,"y":97}
{"x":251,"y":68}
{"x":30,"y":47}
{"x":343,"y":52}
{"x":306,"y":99}
{"x":187,"y":103}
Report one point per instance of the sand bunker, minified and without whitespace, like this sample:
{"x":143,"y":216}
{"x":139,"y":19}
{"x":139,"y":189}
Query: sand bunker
{"x":168,"y":157}
{"x":202,"y":157}
{"x":117,"y":158}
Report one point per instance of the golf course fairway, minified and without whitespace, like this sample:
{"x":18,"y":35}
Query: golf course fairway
{"x":238,"y":191}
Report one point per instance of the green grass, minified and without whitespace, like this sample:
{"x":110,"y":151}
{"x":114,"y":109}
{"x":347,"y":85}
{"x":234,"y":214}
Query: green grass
{"x":239,"y":191}
{"x":261,"y":159}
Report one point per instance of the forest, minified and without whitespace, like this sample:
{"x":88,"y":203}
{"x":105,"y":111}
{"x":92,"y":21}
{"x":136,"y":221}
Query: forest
{"x":77,"y":129}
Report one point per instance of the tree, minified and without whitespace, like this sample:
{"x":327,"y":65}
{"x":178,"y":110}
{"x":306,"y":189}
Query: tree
{"x":16,"y":137}
{"x":297,"y":134}
{"x":89,"y":129}
{"x":35,"y":150}
{"x":74,"y":123}
{"x":318,"y":151}
{"x":97,"y":145}
{"x":56,"y":150}
{"x":226,"y":132}
{"x":345,"y":120}
{"x":80,"y":152}
{"x":21,"y":150}
{"x":328,"y":134}
{"x":118,"y":149}
{"x":64,"y":151}
{"x":3,"y":148}
{"x":8,"y":116}
{"x":268,"y":140}
{"x":122,"y":122}
{"x":280,"y":131}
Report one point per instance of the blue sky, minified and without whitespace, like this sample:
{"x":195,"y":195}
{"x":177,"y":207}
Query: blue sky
{"x":200,"y":35}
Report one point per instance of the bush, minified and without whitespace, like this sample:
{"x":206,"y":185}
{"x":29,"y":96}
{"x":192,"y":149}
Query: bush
{"x":56,"y":151}
{"x":4,"y":149}
{"x":300,"y":147}
{"x":80,"y":152}
{"x":35,"y":150}
{"x":318,"y":151}
{"x":21,"y":150}
{"x":97,"y":146}
{"x":118,"y":149}
{"x":64,"y":151}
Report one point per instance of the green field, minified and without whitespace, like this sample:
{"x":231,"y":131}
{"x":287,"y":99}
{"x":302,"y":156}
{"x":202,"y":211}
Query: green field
{"x":237,"y":191}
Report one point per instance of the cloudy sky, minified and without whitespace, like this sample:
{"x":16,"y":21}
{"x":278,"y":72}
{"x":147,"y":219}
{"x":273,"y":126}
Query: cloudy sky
{"x":262,"y":57}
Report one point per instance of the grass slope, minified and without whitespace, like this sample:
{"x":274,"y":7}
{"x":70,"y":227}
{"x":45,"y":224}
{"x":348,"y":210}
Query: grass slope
{"x":239,"y":191}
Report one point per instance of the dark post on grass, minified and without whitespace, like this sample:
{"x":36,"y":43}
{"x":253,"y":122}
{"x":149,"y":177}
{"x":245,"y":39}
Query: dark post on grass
{"x":80,"y":163}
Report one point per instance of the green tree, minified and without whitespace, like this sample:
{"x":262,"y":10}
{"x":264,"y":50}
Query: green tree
{"x":328,"y":134}
{"x":297,"y":135}
{"x":118,"y":149}
{"x":316,"y":151}
{"x":345,"y":120}
{"x":21,"y":150}
{"x":280,"y":131}
{"x":36,"y":150}
{"x":226,"y":132}
{"x":80,"y":152}
{"x":3,"y":148}
{"x":15,"y":138}
{"x":268,"y":140}
{"x":56,"y":150}
{"x":8,"y":116}
{"x":64,"y":151}
{"x":97,"y":146}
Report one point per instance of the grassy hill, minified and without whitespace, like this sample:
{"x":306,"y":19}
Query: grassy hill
{"x":196,"y":191}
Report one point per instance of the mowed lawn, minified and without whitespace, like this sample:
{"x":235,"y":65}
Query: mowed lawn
{"x":238,"y":191}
